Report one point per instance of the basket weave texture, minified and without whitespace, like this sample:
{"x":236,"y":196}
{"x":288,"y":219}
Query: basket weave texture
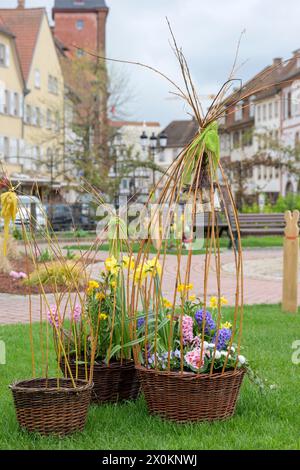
{"x":113,"y":383}
{"x":189,"y":397}
{"x":43,"y":407}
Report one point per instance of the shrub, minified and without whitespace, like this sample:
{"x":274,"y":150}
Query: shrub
{"x":68,"y":274}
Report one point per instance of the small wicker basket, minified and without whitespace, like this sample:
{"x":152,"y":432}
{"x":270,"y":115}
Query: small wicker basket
{"x":51,"y":406}
{"x":114,"y":383}
{"x":191,"y":397}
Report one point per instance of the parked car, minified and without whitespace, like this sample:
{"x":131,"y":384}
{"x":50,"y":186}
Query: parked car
{"x":60,"y":217}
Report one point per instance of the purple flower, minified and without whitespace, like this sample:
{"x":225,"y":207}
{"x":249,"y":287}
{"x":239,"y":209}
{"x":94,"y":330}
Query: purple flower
{"x":140,"y":322}
{"x":223,"y":338}
{"x":209,"y":322}
{"x":52,"y":316}
{"x":77,"y":313}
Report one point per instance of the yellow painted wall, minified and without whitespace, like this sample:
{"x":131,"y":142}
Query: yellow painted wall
{"x":10,"y":79}
{"x":46,"y":61}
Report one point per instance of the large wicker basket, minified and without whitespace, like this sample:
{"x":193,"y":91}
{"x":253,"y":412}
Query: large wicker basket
{"x":113,"y":383}
{"x":189,"y":397}
{"x":43,"y":407}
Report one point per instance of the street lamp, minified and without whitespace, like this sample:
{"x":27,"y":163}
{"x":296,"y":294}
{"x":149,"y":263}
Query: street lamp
{"x":154,"y":144}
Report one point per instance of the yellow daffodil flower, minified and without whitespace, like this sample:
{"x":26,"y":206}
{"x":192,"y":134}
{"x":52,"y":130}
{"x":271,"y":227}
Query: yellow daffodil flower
{"x":226,"y":325}
{"x":167,"y":303}
{"x":128,"y":262}
{"x":92,"y":285}
{"x":113,"y":284}
{"x":100,"y":296}
{"x":102,"y":316}
{"x":152,"y":266}
{"x":184,"y":287}
{"x":192,"y":297}
{"x":213,"y":302}
{"x":111,"y":265}
{"x":169,"y":317}
{"x":224,"y":301}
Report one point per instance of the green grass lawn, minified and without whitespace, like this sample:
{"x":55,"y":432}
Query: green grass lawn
{"x":262,"y":421}
{"x":247,"y":242}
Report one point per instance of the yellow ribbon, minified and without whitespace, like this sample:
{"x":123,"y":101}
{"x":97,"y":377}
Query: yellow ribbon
{"x":9,"y":208}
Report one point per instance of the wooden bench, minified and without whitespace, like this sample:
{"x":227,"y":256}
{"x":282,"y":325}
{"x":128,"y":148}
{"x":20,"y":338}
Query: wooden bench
{"x":258,"y":225}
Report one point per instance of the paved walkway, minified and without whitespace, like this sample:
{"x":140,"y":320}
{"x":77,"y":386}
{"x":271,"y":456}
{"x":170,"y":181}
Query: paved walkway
{"x":262,"y":282}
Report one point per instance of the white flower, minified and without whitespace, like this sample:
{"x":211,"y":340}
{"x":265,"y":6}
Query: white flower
{"x":224,"y":353}
{"x":211,"y":345}
{"x":241,"y":359}
{"x":232,"y":349}
{"x":217,"y":355}
{"x":205,"y":344}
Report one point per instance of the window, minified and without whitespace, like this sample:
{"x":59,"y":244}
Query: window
{"x":38,"y":117}
{"x":79,"y":25}
{"x":16,"y":104}
{"x":37,"y":79}
{"x":34,"y":116}
{"x":7,"y":102}
{"x":289,"y":104}
{"x":6,"y":148}
{"x":270,"y":110}
{"x":276,"y":109}
{"x":259,"y":172}
{"x":52,"y":85}
{"x":80,"y":53}
{"x":264,"y":112}
{"x":124,"y":184}
{"x":28,"y":114}
{"x":57,"y":121}
{"x":265,"y":172}
{"x":297,"y":139}
{"x":258,"y":113}
{"x":2,"y":55}
{"x":236,"y":139}
{"x":238,"y":114}
{"x":251,"y":106}
{"x":49,"y":119}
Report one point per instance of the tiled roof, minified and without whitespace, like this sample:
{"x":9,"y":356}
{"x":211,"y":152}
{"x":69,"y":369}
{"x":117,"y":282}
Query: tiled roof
{"x":180,"y":133}
{"x":79,"y":4}
{"x":4,"y":29}
{"x":25,"y":25}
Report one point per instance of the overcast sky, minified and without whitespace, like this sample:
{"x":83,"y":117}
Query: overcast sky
{"x":208,"y":32}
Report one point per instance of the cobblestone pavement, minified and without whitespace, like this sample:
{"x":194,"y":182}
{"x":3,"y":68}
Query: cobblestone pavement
{"x":263,"y":283}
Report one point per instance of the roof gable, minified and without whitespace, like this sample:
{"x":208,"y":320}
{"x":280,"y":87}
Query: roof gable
{"x":25,"y":25}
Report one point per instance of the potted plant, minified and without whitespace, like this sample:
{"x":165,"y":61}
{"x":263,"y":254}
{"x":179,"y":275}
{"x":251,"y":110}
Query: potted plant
{"x":46,"y":404}
{"x":105,"y":316}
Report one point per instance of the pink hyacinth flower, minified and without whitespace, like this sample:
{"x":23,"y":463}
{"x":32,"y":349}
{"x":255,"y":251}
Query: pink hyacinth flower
{"x":187,"y":329}
{"x":53,"y":317}
{"x":193,"y":359}
{"x":77,"y":313}
{"x":14,"y":274}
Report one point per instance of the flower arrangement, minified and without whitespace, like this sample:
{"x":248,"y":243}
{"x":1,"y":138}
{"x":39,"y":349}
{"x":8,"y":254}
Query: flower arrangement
{"x":192,"y":341}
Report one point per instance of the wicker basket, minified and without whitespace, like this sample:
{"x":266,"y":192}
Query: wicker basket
{"x":189,"y":397}
{"x":43,"y":407}
{"x":113,"y":383}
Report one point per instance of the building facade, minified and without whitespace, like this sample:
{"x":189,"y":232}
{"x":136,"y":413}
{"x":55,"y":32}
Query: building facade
{"x":126,"y":144}
{"x":81,"y":23}
{"x":39,"y":155}
{"x":12,"y":87}
{"x":265,"y":127}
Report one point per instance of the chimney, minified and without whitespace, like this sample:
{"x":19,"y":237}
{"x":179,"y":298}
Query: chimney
{"x":21,"y":4}
{"x":277,"y":61}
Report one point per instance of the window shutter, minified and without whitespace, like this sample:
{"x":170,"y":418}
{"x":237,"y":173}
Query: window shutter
{"x":2,"y":96}
{"x":22,"y":151}
{"x":21,"y":103}
{"x":1,"y":147}
{"x":7,"y":56}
